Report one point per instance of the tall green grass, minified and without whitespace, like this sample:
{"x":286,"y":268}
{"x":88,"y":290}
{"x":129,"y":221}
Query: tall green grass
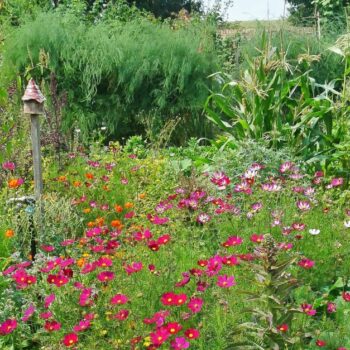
{"x":114,"y":72}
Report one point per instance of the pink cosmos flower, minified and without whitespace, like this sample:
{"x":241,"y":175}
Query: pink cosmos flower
{"x":160,"y":336}
{"x":163,"y":239}
{"x":220,"y":179}
{"x":185,"y":279}
{"x":104,"y":262}
{"x":49,"y":300}
{"x":256,"y":206}
{"x":286,"y":246}
{"x":336,"y":182}
{"x":303,"y":205}
{"x":271,"y":187}
{"x":9,"y":166}
{"x":48,"y":248}
{"x":306,"y":263}
{"x":255,"y":238}
{"x":203,"y":218}
{"x":346,"y":296}
{"x":119,"y":299}
{"x":8,"y":326}
{"x":52,"y":326}
{"x":84,"y":298}
{"x":124,"y":181}
{"x":106,"y":276}
{"x":45,"y":315}
{"x":307,"y":309}
{"x":133,"y":267}
{"x":195,"y":305}
{"x":122,"y":315}
{"x":180,"y":343}
{"x":286,"y":167}
{"x":233,"y":241}
{"x":28,"y":313}
{"x":156,"y":220}
{"x":331,"y":307}
{"x":225,"y":281}
{"x":82,"y":326}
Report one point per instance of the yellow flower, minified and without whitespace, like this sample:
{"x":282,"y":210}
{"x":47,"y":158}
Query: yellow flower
{"x":147,"y":342}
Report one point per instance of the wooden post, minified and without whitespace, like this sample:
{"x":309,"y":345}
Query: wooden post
{"x":35,"y":134}
{"x":33,"y":105}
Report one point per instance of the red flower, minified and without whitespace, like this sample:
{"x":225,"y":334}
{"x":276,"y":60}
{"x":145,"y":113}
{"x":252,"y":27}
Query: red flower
{"x":192,"y":333}
{"x":346,"y":296}
{"x":320,"y":343}
{"x":122,"y":315}
{"x":173,"y":299}
{"x":168,"y":298}
{"x":52,"y":326}
{"x":70,"y":339}
{"x":283,"y":327}
{"x":174,"y":327}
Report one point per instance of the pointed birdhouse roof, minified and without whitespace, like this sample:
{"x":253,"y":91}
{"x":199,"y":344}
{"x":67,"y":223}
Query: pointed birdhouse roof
{"x":33,"y":93}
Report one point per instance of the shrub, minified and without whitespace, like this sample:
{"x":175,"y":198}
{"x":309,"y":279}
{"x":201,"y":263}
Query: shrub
{"x":113,"y":72}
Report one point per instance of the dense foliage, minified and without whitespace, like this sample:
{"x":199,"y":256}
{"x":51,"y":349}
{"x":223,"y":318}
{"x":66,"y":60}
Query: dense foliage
{"x":133,"y":254}
{"x":304,"y":11}
{"x":128,"y":76}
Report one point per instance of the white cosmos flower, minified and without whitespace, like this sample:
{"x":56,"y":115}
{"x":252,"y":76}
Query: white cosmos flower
{"x":314,"y":231}
{"x":347,"y":224}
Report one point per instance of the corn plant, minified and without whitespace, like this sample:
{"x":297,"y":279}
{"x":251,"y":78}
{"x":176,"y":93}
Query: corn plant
{"x":272,"y":100}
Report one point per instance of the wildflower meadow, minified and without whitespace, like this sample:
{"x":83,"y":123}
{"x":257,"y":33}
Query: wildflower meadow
{"x":171,"y":178}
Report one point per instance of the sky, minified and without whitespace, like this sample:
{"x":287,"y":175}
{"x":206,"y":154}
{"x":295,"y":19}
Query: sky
{"x":245,"y":10}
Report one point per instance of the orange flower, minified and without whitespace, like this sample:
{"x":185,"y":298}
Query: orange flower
{"x":62,"y":178}
{"x":89,"y":176}
{"x":76,"y":183}
{"x":86,"y":210}
{"x":142,"y":195}
{"x":14,"y":183}
{"x":9,"y":233}
{"x":116,"y":223}
{"x":100,"y":221}
{"x":105,"y":188}
{"x":128,"y":205}
{"x":90,"y":224}
{"x":81,"y":262}
{"x":118,"y":208}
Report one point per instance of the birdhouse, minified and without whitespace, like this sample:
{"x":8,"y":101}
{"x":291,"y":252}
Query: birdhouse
{"x":33,"y":99}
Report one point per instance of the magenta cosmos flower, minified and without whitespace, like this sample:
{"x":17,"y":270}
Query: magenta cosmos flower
{"x":8,"y":326}
{"x":119,"y":299}
{"x":225,"y":281}
{"x":195,"y":304}
{"x":306,"y":263}
{"x":180,"y":343}
{"x":106,"y":276}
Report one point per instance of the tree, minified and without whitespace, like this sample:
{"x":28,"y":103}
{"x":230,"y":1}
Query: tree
{"x":303,"y":11}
